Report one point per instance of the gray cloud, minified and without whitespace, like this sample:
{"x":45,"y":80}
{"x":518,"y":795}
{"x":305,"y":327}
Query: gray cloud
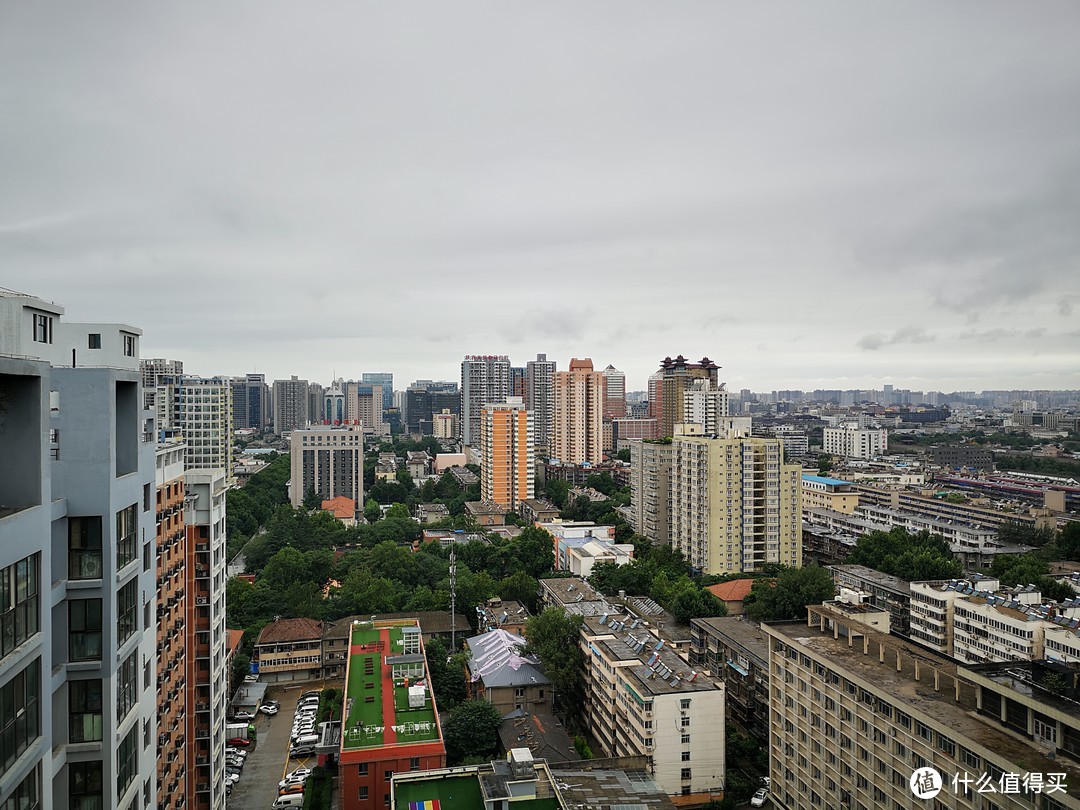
{"x":905,"y":334}
{"x":374,"y":186}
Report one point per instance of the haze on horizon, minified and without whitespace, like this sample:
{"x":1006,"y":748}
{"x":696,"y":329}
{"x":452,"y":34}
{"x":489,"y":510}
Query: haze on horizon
{"x":826,"y":195}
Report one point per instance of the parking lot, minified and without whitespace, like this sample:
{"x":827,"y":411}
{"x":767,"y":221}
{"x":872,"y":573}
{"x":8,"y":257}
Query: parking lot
{"x":267,"y":761}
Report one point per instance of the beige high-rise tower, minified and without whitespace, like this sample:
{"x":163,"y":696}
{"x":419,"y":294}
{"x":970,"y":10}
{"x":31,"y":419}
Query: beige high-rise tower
{"x":579,"y":414}
{"x":734,"y":503}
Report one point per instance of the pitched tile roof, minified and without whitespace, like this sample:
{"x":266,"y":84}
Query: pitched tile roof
{"x":735,"y":590}
{"x":285,"y":630}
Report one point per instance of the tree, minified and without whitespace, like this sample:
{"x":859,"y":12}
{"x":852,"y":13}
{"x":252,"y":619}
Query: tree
{"x":623,"y":455}
{"x":553,"y":636}
{"x":372,"y":512}
{"x":535,"y":550}
{"x":447,"y":675}
{"x":312,"y":499}
{"x":905,"y":555}
{"x":825,"y":463}
{"x":472,"y":731}
{"x":1014,"y":533}
{"x":695,"y":603}
{"x":787,"y":596}
{"x":404,"y":477}
{"x":557,"y":491}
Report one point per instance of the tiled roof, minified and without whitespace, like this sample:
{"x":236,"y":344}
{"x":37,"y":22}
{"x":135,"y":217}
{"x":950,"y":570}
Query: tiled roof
{"x":233,"y":639}
{"x":735,"y":590}
{"x":285,"y":630}
{"x":340,"y":507}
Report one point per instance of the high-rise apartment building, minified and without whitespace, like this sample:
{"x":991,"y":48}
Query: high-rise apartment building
{"x":202,"y":412}
{"x":207,"y":673}
{"x":173,"y":767}
{"x":329,"y":460}
{"x":667,"y":387}
{"x":519,"y":382}
{"x":540,"y":399}
{"x":484,"y":378}
{"x":579,"y":414}
{"x":77,"y":564}
{"x":290,"y":404}
{"x":444,"y":424}
{"x":650,"y":489}
{"x":734,"y":502}
{"x":363,"y":404}
{"x":614,"y":393}
{"x":315,"y":411}
{"x":154,"y":370}
{"x":251,"y":402}
{"x":385,"y":381}
{"x":705,"y":404}
{"x":507,"y":457}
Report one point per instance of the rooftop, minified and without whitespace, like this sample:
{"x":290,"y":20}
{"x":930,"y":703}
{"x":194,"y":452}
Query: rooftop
{"x":432,"y":622}
{"x":542,"y":734}
{"x":284,"y":631}
{"x":497,"y":661}
{"x":738,"y":630}
{"x":387,"y":698}
{"x":874,"y":576}
{"x":821,"y":479}
{"x":735,"y":590}
{"x":919,"y":696}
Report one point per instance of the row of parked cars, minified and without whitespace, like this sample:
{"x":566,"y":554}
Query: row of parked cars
{"x":301,"y":744}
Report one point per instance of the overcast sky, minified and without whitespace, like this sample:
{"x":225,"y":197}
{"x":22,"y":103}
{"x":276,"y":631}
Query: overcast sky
{"x":825,"y":194}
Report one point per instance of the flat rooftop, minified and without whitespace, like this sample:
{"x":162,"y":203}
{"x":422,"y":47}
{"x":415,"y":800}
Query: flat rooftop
{"x":903,"y":691}
{"x":741,"y":631}
{"x":874,"y":576}
{"x":385,"y":661}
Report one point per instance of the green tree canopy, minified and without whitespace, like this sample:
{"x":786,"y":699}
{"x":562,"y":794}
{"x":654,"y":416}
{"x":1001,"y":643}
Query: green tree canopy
{"x":905,"y":555}
{"x":554,"y":636}
{"x":787,"y":596}
{"x":472,"y":731}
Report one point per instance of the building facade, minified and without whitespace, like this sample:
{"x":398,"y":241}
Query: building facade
{"x":736,"y":651}
{"x":202,"y":411}
{"x":507,"y":454}
{"x":667,"y":389}
{"x":614,"y":393}
{"x":385,"y":381}
{"x":540,"y":399}
{"x":329,"y":460}
{"x":852,"y":441}
{"x":650,"y":489}
{"x":290,"y":404}
{"x":484,"y":379}
{"x":77,"y":564}
{"x":734,"y":503}
{"x":578,"y":431}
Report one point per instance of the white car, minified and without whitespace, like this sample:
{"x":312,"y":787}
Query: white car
{"x":292,"y":780}
{"x":305,"y":772}
{"x":758,"y":799}
{"x":268,"y":710}
{"x":252,"y":678}
{"x":240,"y":752}
{"x":232,"y":778}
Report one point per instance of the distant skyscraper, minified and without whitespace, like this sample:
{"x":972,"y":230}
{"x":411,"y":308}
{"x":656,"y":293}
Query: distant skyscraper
{"x":484,"y":379}
{"x":333,"y":409}
{"x":315,"y":411}
{"x":614,"y":393}
{"x":579,"y":414}
{"x":385,"y":379}
{"x":202,"y":411}
{"x":506,"y":467}
{"x":290,"y":404}
{"x":666,"y":388}
{"x":540,"y":399}
{"x":363,"y":403}
{"x":518,"y":382}
{"x":151,"y":370}
{"x":705,"y":404}
{"x":251,"y":398}
{"x":424,"y":399}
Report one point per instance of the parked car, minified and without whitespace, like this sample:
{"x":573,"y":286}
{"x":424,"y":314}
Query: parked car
{"x":276,"y":703}
{"x":311,"y":693}
{"x":758,"y":799}
{"x":251,"y":678}
{"x":305,"y":772}
{"x":268,"y":710}
{"x":298,"y":751}
{"x":297,"y":787}
{"x":238,"y":751}
{"x":294,"y":780}
{"x":243,"y":715}
{"x":243,"y":742}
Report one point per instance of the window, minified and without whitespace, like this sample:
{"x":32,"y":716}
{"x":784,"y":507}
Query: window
{"x":685,"y":739}
{"x":362,"y":769}
{"x":684,"y":722}
{"x":19,"y":613}
{"x":684,"y":704}
{"x":129,"y":345}
{"x":685,"y":773}
{"x":126,"y":611}
{"x":84,"y":629}
{"x":519,"y":691}
{"x":414,"y":764}
{"x":126,"y":536}
{"x":127,"y":760}
{"x":84,"y":547}
{"x":94,"y":340}
{"x":20,"y":714}
{"x":42,"y":328}
{"x":85,"y":786}
{"x":362,"y":794}
{"x":84,"y":706}
{"x":685,"y":756}
{"x":387,"y":775}
{"x":127,"y":687}
{"x":27,"y":794}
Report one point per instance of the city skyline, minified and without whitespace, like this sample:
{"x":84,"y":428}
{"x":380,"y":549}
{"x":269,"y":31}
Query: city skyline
{"x":792,"y":193}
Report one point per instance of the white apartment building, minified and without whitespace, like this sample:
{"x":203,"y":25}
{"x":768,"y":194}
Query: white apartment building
{"x":734,"y":502}
{"x":650,"y":489}
{"x":642,"y":698}
{"x":201,"y":409}
{"x":852,"y":441}
{"x":706,"y":404}
{"x":444,"y":425}
{"x":77,"y":564}
{"x":328,"y":459}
